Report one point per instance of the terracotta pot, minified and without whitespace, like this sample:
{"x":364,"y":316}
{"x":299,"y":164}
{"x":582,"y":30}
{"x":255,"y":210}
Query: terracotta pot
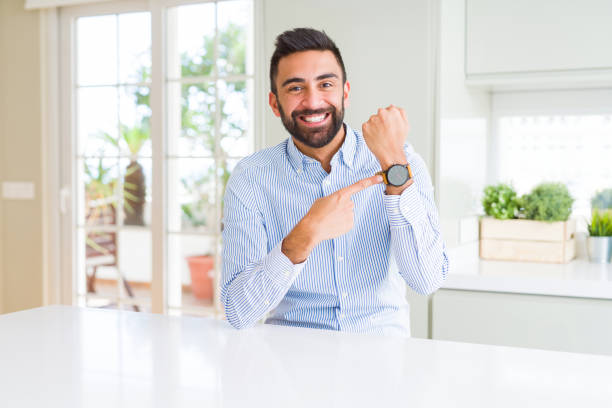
{"x":200,"y":268}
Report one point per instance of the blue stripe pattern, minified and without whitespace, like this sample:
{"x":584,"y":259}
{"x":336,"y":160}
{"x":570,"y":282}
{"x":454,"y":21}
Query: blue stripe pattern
{"x":355,"y":282}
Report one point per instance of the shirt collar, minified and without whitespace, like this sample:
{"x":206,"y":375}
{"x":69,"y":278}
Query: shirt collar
{"x":296,"y":158}
{"x":347,"y":151}
{"x":349,"y":146}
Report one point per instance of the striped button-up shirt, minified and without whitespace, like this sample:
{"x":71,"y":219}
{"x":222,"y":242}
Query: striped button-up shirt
{"x":355,"y":282}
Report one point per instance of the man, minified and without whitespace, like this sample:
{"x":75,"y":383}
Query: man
{"x":310,"y":229}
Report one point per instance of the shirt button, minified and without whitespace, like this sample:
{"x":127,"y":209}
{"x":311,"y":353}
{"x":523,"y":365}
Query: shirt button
{"x":266,"y":302}
{"x":287,"y":273}
{"x":341,"y":316}
{"x":344,"y":294}
{"x":326,"y":182}
{"x":299,"y":171}
{"x":340,"y":259}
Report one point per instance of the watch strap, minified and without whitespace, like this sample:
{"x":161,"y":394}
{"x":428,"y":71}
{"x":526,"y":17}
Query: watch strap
{"x":384,"y":176}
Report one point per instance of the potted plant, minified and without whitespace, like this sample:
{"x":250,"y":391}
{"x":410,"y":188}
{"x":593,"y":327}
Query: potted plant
{"x":195,"y":214}
{"x":133,"y":138}
{"x":202,"y":276}
{"x":134,"y":186}
{"x":134,"y":179}
{"x":534,"y":227}
{"x":599,"y":242}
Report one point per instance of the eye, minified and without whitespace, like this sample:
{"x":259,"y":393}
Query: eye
{"x":327,"y":85}
{"x":295,"y":89}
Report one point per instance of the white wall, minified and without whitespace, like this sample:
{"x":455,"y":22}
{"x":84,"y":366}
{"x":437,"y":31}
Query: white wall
{"x":387,"y":50}
{"x":463,"y":131}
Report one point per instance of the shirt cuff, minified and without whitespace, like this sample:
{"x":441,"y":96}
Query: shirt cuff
{"x":405,"y":208}
{"x":280,"y":269}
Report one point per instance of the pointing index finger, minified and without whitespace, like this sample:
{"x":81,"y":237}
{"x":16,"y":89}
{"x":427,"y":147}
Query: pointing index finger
{"x":362,"y":184}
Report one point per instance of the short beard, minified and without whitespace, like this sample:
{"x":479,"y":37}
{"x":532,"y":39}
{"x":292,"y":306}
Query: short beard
{"x":308,"y":136}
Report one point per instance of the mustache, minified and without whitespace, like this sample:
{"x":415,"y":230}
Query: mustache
{"x":295,"y":114}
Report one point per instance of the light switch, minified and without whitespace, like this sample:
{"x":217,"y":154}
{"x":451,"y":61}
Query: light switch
{"x":17,"y":190}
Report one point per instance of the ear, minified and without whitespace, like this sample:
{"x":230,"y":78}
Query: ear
{"x":347,"y":89}
{"x":273,"y":103}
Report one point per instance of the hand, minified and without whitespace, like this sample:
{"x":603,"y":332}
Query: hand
{"x":333,"y":215}
{"x":329,"y":217}
{"x":385,"y":134}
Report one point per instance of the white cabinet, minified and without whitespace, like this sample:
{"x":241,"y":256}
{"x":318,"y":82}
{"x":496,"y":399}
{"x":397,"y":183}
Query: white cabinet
{"x":542,"y":39}
{"x":543,"y":322}
{"x":419,"y":314}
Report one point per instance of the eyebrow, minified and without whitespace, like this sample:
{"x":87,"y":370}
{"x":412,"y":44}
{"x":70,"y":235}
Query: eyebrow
{"x":302,"y":80}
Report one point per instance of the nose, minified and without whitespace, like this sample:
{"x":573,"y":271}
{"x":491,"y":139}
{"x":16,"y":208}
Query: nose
{"x":313,"y":99}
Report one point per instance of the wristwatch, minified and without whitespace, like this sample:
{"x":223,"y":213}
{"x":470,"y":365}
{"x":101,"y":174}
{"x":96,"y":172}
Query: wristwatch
{"x":397,"y":175}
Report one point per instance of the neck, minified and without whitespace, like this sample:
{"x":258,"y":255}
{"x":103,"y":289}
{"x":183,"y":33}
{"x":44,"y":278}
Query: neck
{"x":323,"y":154}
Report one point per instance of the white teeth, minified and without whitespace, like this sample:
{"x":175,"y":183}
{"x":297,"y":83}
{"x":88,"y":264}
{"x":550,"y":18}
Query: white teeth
{"x":313,"y":119}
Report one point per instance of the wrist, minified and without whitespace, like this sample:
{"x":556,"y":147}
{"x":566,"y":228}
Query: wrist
{"x":393,"y":190}
{"x":299,"y":243}
{"x":391,"y":159}
{"x":306,"y":231}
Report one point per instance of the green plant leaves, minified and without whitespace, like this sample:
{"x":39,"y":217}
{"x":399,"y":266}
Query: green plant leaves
{"x":500,"y":201}
{"x":546,"y":202}
{"x":135,"y":137}
{"x":601,"y":224}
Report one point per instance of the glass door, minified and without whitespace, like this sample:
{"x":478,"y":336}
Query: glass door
{"x":149,"y":144}
{"x":209,"y":88}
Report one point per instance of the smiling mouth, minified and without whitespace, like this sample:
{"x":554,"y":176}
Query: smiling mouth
{"x":314,"y":120}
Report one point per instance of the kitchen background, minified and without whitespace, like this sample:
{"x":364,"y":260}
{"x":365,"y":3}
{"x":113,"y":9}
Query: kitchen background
{"x":120,"y":123}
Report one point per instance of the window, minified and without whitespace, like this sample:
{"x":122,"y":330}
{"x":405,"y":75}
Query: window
{"x":146,"y":175}
{"x":572,"y":149}
{"x":558,"y":136}
{"x":210,"y":128}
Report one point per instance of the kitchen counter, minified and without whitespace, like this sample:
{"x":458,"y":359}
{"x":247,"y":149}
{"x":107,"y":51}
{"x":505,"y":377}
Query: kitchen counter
{"x":578,"y":278}
{"x":62,"y":356}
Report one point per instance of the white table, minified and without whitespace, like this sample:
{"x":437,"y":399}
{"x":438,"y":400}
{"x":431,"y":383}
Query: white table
{"x":64,"y":357}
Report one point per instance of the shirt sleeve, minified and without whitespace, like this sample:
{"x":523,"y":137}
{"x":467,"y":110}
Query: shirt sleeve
{"x":253,"y":280}
{"x":416,"y":241}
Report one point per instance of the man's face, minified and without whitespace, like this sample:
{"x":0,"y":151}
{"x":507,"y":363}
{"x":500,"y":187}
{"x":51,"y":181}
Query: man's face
{"x":311,"y":96}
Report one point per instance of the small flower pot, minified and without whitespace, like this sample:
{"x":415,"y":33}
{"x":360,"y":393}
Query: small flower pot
{"x":201,"y":271}
{"x":600,"y":249}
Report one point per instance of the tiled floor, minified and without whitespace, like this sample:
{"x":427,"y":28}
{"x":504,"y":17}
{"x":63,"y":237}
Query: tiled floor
{"x":107,"y":293}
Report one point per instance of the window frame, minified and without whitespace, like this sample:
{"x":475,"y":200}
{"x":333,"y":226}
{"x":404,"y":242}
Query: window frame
{"x":64,"y":44}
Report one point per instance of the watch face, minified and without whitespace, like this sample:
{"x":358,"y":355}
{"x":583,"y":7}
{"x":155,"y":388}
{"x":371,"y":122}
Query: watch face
{"x":397,"y":175}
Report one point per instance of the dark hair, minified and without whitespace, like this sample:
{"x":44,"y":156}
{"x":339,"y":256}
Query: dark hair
{"x":302,"y":39}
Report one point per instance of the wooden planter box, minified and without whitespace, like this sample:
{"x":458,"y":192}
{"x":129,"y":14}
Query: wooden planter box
{"x":527,"y":240}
